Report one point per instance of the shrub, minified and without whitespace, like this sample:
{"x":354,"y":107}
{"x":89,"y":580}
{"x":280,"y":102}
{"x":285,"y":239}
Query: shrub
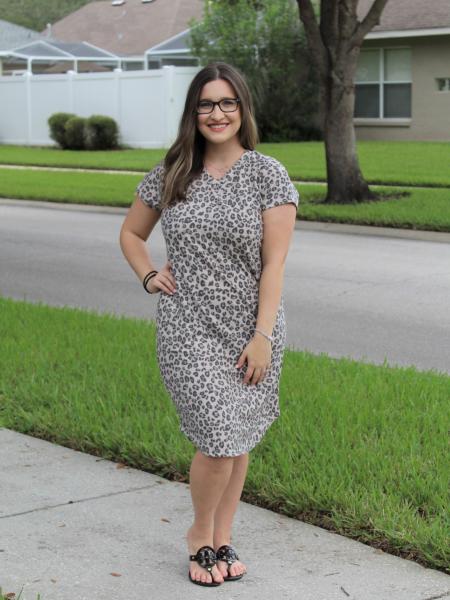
{"x":101,"y":133}
{"x":57,"y":123}
{"x":74,"y":131}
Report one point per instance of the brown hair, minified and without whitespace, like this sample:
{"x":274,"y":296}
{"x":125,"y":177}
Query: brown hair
{"x":184,"y":159}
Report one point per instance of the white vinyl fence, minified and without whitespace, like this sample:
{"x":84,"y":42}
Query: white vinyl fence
{"x":147,"y":105}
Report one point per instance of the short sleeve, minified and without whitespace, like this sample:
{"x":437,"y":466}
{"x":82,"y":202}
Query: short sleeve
{"x":275,"y":185}
{"x":150,"y":188}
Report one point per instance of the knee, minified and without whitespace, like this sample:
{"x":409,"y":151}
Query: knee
{"x":217,"y":463}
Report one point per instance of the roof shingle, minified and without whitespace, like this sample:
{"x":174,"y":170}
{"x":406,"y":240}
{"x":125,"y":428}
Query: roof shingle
{"x":128,"y":29}
{"x":12,"y":35}
{"x":409,"y":14}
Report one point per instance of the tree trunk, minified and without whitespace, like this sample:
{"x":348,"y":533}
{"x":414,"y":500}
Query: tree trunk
{"x":346,"y":183}
{"x":334,"y":42}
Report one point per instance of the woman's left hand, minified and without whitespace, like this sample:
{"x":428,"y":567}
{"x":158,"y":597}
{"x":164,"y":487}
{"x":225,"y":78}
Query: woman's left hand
{"x":258,"y":353}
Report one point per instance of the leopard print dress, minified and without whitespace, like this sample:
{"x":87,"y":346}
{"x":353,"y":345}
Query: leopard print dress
{"x":213,"y":242}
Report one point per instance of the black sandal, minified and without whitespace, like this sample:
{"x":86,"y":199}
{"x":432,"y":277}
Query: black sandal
{"x":206,"y":558}
{"x":228,"y":554}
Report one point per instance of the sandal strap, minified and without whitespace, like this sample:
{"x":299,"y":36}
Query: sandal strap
{"x":227,"y":553}
{"x":206,"y":557}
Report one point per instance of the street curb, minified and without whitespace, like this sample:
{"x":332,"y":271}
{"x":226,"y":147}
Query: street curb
{"x":301,"y":224}
{"x":411,"y":234}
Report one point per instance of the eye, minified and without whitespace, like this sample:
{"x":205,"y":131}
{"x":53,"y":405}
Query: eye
{"x":228,"y":102}
{"x":205,"y":104}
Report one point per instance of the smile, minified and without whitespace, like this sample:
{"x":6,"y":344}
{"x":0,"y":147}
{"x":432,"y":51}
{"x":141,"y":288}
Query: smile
{"x":218,"y":127}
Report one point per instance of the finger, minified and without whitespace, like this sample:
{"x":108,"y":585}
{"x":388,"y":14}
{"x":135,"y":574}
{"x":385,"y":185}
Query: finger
{"x":263,"y":376}
{"x":256,"y":375}
{"x":167,"y":282}
{"x":240,"y":361}
{"x":248,"y":374}
{"x":161,"y":285}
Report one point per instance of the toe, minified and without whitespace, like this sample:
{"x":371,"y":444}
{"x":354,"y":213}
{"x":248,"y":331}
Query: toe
{"x":223,"y":568}
{"x":218,"y":576}
{"x":237,"y":568}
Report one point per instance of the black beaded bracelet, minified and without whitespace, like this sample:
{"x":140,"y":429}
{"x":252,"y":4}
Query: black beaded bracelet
{"x":147,"y":279}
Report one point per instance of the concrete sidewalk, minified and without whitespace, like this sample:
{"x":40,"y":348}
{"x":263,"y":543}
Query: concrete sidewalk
{"x":78,"y":527}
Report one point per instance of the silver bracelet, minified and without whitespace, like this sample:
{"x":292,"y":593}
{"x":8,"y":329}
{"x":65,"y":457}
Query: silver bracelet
{"x":269,"y":337}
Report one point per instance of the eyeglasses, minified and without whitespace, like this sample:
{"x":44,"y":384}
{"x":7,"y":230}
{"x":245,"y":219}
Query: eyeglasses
{"x":205,"y":107}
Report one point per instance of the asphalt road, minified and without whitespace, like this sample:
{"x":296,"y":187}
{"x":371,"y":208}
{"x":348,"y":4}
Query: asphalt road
{"x":369,"y":298}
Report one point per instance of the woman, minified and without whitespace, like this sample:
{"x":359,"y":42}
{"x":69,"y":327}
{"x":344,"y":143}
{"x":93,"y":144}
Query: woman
{"x":220,"y":315}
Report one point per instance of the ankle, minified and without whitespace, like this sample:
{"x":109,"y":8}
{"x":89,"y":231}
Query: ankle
{"x":221,"y":539}
{"x":201,"y":530}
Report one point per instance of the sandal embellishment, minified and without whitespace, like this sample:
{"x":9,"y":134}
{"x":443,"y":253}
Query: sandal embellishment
{"x":206,"y":558}
{"x":229,"y":555}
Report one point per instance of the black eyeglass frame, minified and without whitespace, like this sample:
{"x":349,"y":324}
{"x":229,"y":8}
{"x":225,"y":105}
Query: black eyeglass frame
{"x":218,"y":103}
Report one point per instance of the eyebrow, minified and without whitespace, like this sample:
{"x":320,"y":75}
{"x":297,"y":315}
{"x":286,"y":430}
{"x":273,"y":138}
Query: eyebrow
{"x":223,"y":98}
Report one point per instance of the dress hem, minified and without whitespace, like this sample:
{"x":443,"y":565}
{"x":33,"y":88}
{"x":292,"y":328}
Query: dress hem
{"x":248,"y":448}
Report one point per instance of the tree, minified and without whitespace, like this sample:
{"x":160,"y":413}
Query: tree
{"x":335,"y":42}
{"x":265,"y":40}
{"x":36,"y":15}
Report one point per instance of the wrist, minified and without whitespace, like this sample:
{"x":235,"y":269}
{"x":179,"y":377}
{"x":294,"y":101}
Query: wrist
{"x":261,"y":333}
{"x":147,"y":279}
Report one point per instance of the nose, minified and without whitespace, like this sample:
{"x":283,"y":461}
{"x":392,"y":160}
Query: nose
{"x":219,"y":109}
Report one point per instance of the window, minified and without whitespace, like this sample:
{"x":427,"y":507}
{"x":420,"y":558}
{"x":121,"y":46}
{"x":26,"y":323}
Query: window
{"x":443,"y":84}
{"x":383,"y":84}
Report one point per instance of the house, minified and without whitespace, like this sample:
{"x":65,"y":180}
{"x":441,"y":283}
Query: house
{"x":11,"y":36}
{"x":131,"y":29}
{"x":44,"y":56}
{"x":403,"y":76}
{"x":174,"y":51}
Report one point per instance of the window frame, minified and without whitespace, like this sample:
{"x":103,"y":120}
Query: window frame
{"x":381,"y":85}
{"x":446,"y":88}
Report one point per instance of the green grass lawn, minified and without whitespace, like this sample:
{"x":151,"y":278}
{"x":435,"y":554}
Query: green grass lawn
{"x":359,"y":449}
{"x":426,"y":209}
{"x":408,"y":163}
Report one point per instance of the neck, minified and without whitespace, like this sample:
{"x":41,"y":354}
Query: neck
{"x":222,"y":154}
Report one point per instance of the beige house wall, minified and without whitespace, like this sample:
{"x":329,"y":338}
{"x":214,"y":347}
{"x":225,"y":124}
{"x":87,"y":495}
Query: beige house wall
{"x":430,"y":109}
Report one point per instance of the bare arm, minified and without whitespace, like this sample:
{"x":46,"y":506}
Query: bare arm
{"x":279,"y":223}
{"x":135,"y":230}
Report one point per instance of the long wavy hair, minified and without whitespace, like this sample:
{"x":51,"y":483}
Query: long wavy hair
{"x":184,"y":159}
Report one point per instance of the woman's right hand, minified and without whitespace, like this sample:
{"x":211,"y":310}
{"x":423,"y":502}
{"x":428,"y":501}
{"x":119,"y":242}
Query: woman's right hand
{"x":163,"y":281}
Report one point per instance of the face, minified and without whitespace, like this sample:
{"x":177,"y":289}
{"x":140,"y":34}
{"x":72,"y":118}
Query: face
{"x":217,"y":90}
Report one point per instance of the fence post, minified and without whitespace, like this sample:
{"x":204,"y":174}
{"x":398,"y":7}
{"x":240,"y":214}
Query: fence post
{"x":28,"y":76}
{"x":70,"y":75}
{"x":169,"y":103}
{"x":118,"y":107}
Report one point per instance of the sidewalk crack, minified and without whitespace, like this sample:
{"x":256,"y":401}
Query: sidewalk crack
{"x":26,"y":512}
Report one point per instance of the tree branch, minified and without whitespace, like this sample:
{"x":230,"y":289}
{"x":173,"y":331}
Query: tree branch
{"x":314,"y":38}
{"x":329,"y":27}
{"x":371,"y":19}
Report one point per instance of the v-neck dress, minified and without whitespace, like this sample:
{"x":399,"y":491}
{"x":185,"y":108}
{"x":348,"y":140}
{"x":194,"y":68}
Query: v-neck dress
{"x":213,"y":242}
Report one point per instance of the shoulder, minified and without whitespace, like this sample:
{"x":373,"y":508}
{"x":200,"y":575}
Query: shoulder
{"x":150,"y":187}
{"x":152,"y":179}
{"x":156,"y":172}
{"x":267,"y":165}
{"x":265,"y":160}
{"x":268,"y":168}
{"x":274,"y":184}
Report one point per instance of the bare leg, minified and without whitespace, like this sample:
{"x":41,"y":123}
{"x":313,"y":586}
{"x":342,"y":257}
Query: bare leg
{"x":208,"y":479}
{"x":225,"y":512}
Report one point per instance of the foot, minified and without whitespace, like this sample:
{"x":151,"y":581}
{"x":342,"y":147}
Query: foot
{"x":237,"y":568}
{"x":197,"y":572}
